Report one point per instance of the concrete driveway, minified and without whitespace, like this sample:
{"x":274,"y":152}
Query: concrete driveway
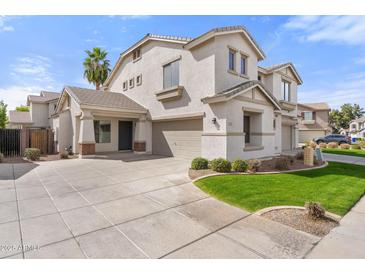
{"x":128,"y":206}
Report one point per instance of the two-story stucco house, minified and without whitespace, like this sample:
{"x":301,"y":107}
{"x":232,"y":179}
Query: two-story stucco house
{"x":357,"y":128}
{"x":185,"y":97}
{"x":40,"y":111}
{"x":313,"y":121}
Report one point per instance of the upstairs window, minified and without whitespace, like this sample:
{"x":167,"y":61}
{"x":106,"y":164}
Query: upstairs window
{"x":136,"y":54}
{"x":285,"y":90}
{"x":243,"y":64}
{"x":171,"y":74}
{"x":259,"y":78}
{"x":139,"y":80}
{"x":131,"y":83}
{"x":308,"y":115}
{"x":231,"y":60}
{"x":125,"y":85}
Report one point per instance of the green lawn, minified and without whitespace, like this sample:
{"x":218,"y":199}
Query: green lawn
{"x":351,"y":152}
{"x":337,"y":187}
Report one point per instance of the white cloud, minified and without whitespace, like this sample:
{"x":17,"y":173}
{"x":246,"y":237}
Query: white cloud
{"x":348,"y":90}
{"x":34,"y":68}
{"x":336,"y":29}
{"x":4,"y":27}
{"x":134,"y":17}
{"x":15,"y":95}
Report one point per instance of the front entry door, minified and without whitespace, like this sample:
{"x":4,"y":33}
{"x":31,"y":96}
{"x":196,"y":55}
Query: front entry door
{"x":125,"y":135}
{"x":246,"y":128}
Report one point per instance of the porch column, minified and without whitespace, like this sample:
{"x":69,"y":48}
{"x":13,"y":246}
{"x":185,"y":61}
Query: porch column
{"x":86,"y":136}
{"x":140,"y":136}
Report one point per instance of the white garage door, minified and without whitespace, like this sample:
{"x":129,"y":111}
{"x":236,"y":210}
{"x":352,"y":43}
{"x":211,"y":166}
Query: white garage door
{"x":286,"y":138}
{"x":308,"y":135}
{"x":177,"y":138}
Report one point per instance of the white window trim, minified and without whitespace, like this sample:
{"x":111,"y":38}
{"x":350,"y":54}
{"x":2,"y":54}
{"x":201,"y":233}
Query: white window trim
{"x":234,"y":51}
{"x":304,"y":112}
{"x":125,"y":85}
{"x":245,"y":57}
{"x":288,"y":91}
{"x":138,"y":83}
{"x":129,"y":83}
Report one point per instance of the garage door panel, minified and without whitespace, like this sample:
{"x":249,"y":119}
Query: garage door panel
{"x":308,"y":135}
{"x":177,"y":138}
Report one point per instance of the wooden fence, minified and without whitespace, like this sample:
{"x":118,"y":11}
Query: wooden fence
{"x":14,"y":141}
{"x":10,"y":142}
{"x":42,"y":139}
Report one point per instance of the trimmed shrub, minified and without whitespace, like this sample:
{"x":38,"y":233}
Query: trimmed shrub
{"x":282,"y":163}
{"x":332,"y":145}
{"x":345,"y":146}
{"x":362,"y":144}
{"x":32,"y":154}
{"x":315,"y":210}
{"x":199,"y":163}
{"x":239,"y":165}
{"x":323,"y":145}
{"x":355,"y":146}
{"x":220,"y":165}
{"x":299,"y":155}
{"x":1,"y":157}
{"x":254,"y":165}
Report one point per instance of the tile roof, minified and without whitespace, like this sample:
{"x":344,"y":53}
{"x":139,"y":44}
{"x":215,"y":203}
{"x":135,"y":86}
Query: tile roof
{"x":243,"y":86}
{"x":20,"y":117}
{"x":169,"y":37}
{"x":231,"y":28}
{"x":106,"y":99}
{"x":316,"y":106}
{"x":45,"y":96}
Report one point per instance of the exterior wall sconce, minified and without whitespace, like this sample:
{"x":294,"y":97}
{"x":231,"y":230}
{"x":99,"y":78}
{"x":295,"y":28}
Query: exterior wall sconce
{"x":214,"y":120}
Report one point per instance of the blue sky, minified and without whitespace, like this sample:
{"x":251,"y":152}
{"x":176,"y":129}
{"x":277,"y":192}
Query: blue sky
{"x":46,"y":52}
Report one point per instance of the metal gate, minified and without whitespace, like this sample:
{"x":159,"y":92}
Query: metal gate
{"x":10,"y":142}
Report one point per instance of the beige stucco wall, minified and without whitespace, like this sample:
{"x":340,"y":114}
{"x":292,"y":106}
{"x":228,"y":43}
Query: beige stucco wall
{"x":321,"y":118}
{"x":224,"y":79}
{"x":39,"y":113}
{"x":196,"y":75}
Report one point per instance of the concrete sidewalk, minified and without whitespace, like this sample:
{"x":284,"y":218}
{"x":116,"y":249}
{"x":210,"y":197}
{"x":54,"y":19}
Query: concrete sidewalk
{"x":346,"y":241}
{"x":344,"y":159}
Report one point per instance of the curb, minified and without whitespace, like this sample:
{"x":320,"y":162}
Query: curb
{"x":329,"y":215}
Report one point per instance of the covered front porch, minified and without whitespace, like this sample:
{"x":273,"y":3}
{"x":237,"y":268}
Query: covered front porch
{"x":111,"y":131}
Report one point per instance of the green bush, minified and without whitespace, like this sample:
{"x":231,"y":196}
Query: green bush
{"x":1,"y":157}
{"x":199,"y":163}
{"x":32,"y":154}
{"x":355,"y":146}
{"x":254,"y":165}
{"x":239,"y":165}
{"x":220,"y":165}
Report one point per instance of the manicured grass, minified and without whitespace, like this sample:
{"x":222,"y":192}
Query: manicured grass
{"x":337,"y":187}
{"x":351,"y":152}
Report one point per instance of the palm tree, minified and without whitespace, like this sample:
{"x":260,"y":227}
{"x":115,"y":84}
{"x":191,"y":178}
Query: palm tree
{"x":96,"y":67}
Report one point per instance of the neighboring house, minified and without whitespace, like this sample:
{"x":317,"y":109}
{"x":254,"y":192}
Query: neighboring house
{"x":357,"y":128}
{"x":186,"y":97}
{"x":40,"y":110}
{"x":313,"y":121}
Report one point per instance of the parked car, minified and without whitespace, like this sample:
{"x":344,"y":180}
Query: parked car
{"x":339,"y":138}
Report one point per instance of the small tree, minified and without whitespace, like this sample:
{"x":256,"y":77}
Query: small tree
{"x":22,"y":108}
{"x":341,"y":118}
{"x":96,"y":67}
{"x":3,"y":115}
